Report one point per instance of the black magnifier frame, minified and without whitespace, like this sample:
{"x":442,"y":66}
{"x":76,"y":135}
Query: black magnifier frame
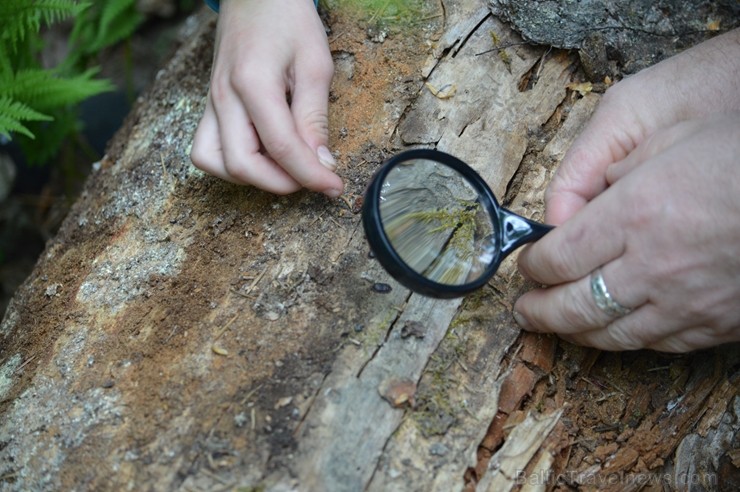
{"x":511,"y":230}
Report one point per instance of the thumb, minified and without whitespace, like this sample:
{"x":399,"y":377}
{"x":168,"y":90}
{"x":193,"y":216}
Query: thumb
{"x":310,"y":108}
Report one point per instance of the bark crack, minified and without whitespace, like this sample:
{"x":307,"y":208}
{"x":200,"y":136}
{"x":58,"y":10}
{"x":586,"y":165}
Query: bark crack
{"x":465,"y":39}
{"x":399,"y":311}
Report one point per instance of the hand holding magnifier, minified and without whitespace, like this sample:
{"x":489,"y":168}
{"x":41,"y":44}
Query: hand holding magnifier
{"x":435,"y":225}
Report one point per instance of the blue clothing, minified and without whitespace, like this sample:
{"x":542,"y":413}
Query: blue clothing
{"x":214,"y":4}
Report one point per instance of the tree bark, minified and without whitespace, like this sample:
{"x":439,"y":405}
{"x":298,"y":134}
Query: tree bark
{"x":183,"y":333}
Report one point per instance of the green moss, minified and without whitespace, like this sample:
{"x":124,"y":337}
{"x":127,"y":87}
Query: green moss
{"x":469,"y":313}
{"x":386,"y":12}
{"x":501,"y":51}
{"x":460,"y":222}
{"x":436,"y":409}
{"x":377,"y":329}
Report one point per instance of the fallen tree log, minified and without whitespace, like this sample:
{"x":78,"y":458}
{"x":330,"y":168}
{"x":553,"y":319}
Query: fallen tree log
{"x":182,"y":333}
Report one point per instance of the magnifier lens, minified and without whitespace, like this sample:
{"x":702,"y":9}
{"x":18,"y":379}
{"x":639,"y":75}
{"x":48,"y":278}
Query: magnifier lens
{"x":438,"y":222}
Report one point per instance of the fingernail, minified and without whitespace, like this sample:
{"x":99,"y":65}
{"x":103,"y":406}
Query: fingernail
{"x":326,"y":159}
{"x":333,"y":193}
{"x":521,"y":321}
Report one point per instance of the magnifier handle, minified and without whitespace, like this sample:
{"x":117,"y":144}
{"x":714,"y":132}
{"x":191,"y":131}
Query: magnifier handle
{"x":518,"y":230}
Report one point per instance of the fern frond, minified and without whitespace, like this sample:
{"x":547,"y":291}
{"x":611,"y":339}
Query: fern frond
{"x":12,"y":113}
{"x":118,"y":20}
{"x":105,"y":24}
{"x":40,"y":102}
{"x":45,"y":90}
{"x":21,"y":17}
{"x":24,"y":84}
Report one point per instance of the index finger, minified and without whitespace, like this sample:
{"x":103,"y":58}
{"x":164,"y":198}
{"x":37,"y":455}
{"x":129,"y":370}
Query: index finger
{"x":607,"y":138}
{"x":591,"y":238}
{"x":277,"y":130}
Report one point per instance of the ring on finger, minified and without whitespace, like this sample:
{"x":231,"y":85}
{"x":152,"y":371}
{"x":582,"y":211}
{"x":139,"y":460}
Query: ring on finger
{"x":604,"y":299}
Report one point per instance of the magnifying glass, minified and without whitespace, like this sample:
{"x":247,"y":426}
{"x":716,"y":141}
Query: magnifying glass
{"x":435,"y":225}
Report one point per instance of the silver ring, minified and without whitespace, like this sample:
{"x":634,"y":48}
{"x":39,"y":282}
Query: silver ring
{"x":603,"y":299}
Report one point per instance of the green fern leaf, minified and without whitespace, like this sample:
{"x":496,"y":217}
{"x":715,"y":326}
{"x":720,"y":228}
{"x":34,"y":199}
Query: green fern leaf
{"x":21,"y":17}
{"x":105,"y":24}
{"x":12,"y":113}
{"x":24,"y":84}
{"x":118,"y":21}
{"x":42,"y":103}
{"x":45,"y":90}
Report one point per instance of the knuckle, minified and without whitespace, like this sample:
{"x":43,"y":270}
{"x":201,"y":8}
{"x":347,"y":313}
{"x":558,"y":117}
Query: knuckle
{"x":239,"y":172}
{"x":319,"y":67}
{"x":325,"y":68}
{"x":280,"y":149}
{"x":561,"y":262}
{"x":641,"y":208}
{"x":576,"y":156}
{"x":318,"y":121}
{"x":220,"y":86}
{"x":623,"y":337}
{"x":243,"y":77}
{"x":672,"y":345}
{"x":201,"y":159}
{"x":561,"y":266}
{"x":579,"y":311}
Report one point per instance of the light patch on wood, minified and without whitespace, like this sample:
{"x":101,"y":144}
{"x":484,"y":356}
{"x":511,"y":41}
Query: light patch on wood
{"x":514,"y":456}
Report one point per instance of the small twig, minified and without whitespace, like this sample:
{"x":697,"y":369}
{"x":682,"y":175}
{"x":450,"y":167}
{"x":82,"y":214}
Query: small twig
{"x":606,"y":427}
{"x":250,"y":394}
{"x":25,"y":363}
{"x":606,"y":396}
{"x":502,"y":47}
{"x":165,"y":174}
{"x":255,"y":282}
{"x":225,"y":487}
{"x":345,"y":199}
{"x":235,"y":291}
{"x":318,"y":218}
{"x":211,"y":474}
{"x":542,"y":63}
{"x":226,"y":327}
{"x":471,"y":390}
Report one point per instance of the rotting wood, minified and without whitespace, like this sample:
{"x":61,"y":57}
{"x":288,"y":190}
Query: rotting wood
{"x":112,"y":382}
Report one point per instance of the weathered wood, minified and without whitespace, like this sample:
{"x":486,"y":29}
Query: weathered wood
{"x":613,"y":37}
{"x":181,"y":333}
